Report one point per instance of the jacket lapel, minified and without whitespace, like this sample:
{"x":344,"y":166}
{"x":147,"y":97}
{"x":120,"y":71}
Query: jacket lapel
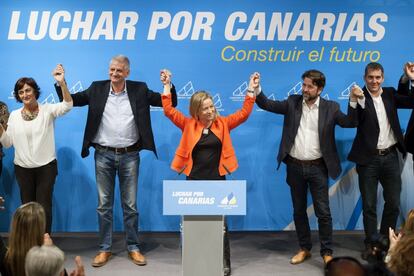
{"x":298,"y":115}
{"x":132,"y":98}
{"x":322,"y":109}
{"x":101,"y":102}
{"x":387,"y":105}
{"x":369,"y":105}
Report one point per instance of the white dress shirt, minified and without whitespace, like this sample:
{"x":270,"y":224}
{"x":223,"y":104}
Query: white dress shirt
{"x":386,"y":136}
{"x":306,"y":145}
{"x":117,"y":128}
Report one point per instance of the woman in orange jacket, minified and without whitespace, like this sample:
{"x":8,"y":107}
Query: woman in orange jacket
{"x":205,"y":151}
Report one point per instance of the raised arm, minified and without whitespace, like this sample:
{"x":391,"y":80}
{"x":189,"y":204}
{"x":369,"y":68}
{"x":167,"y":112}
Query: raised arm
{"x":154,"y":98}
{"x":61,"y":108}
{"x":404,"y":86}
{"x":408,"y":72}
{"x":279,"y":107}
{"x":167,"y":103}
{"x":59,"y":76}
{"x":78,"y":99}
{"x":241,"y":115}
{"x":404,"y":96}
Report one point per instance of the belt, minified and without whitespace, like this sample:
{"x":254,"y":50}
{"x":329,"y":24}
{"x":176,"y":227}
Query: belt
{"x":383,"y":152}
{"x":317,"y":162}
{"x":132,"y":148}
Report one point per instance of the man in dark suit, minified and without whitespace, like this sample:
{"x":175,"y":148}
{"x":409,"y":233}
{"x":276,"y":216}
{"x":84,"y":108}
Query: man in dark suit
{"x":118,"y":127}
{"x":308,"y":148}
{"x":406,"y":84}
{"x":374,"y":151}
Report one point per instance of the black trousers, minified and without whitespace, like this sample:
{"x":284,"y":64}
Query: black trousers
{"x":383,"y":169}
{"x":36,"y":184}
{"x":302,"y":178}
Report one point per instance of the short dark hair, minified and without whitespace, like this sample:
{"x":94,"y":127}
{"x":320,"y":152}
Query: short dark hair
{"x":19,"y":85}
{"x":317,"y":77}
{"x":374,"y":66}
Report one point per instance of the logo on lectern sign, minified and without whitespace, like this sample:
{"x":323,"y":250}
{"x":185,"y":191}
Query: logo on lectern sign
{"x":204,"y":197}
{"x":230,"y":201}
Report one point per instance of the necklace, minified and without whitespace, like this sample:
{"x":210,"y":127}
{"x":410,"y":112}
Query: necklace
{"x":28,"y":115}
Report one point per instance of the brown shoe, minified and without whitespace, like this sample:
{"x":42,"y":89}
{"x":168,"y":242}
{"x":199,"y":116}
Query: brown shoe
{"x":101,"y":259}
{"x":301,"y":256}
{"x":327,"y":258}
{"x":137,"y":258}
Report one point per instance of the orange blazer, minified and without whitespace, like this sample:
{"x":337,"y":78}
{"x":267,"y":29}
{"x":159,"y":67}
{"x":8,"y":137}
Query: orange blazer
{"x":191,"y":133}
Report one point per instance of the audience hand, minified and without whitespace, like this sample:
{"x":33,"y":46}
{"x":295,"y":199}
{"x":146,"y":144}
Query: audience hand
{"x":47,"y":240}
{"x":1,"y":203}
{"x":393,"y":238}
{"x":80,"y":269}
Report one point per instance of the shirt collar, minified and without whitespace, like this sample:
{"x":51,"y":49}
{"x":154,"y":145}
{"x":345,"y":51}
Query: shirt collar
{"x":372,"y":96}
{"x":315,"y":104}
{"x":111,"y":90}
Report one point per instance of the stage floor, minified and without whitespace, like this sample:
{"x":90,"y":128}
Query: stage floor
{"x":252,"y":253}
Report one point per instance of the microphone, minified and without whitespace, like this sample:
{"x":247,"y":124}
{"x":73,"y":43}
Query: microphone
{"x":180,"y":172}
{"x":228,"y":172}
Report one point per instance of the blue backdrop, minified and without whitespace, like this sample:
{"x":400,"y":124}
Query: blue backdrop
{"x":209,"y":45}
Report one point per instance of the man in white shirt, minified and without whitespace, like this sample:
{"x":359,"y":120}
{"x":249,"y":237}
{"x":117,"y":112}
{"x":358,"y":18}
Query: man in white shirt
{"x":308,"y":148}
{"x":374,"y":151}
{"x":118,"y":127}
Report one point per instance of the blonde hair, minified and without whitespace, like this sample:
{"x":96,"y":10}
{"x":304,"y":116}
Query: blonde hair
{"x":197,"y":100}
{"x":402,"y":256}
{"x":27,"y":230}
{"x":408,"y":227}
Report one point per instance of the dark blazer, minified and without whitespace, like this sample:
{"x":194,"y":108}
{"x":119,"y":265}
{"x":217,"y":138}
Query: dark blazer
{"x":330,"y":115}
{"x":140,"y":98}
{"x":365,"y":143}
{"x":407,"y":90}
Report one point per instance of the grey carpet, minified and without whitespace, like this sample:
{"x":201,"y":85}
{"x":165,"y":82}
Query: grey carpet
{"x":252,"y":253}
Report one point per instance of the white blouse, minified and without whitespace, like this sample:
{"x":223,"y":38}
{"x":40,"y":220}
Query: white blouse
{"x":34,"y":141}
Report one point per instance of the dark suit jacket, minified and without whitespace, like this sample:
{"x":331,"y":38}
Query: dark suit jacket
{"x":330,"y":115}
{"x":140,"y":98}
{"x":407,"y":90}
{"x":366,"y":139}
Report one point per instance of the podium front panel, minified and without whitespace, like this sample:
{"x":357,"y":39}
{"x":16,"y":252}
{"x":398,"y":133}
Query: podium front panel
{"x":202,"y":245}
{"x":189,"y":197}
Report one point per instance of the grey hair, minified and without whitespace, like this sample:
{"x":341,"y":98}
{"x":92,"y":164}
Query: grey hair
{"x":121,"y":59}
{"x":45,"y":260}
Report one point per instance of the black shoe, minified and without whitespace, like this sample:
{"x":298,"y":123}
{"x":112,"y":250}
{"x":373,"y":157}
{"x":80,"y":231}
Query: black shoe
{"x":226,"y":267}
{"x":227,"y":271}
{"x":366,"y":253}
